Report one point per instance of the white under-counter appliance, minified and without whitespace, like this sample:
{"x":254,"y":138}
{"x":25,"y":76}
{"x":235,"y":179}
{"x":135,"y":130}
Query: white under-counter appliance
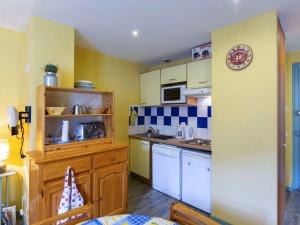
{"x":196,"y":179}
{"x":173,"y":93}
{"x":166,"y":169}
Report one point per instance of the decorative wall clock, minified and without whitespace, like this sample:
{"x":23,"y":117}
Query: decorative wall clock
{"x":239,"y":57}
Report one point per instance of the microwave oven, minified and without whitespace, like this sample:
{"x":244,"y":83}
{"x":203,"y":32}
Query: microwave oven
{"x":173,"y":93}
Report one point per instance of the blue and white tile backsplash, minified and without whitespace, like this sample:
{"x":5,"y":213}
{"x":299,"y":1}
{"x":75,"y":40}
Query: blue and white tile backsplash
{"x":167,"y":118}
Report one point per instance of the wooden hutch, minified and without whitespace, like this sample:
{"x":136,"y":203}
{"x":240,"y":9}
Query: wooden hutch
{"x":100,"y":165}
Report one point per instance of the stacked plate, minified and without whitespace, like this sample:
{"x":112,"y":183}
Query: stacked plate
{"x":84,"y":84}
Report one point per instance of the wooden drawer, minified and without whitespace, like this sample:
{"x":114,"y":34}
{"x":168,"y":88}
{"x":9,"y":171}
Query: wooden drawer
{"x":73,"y":146}
{"x":108,"y":158}
{"x":58,"y":169}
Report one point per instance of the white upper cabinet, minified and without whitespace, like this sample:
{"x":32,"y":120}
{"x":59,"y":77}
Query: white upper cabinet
{"x":173,"y":74}
{"x":199,"y":74}
{"x":150,"y":88}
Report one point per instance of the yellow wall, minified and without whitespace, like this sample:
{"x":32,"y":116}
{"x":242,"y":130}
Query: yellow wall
{"x":244,"y":125}
{"x":12,"y":63}
{"x":292,"y":57}
{"x":169,"y":64}
{"x":12,"y":55}
{"x":110,"y":73}
{"x":43,"y":42}
{"x":48,"y":42}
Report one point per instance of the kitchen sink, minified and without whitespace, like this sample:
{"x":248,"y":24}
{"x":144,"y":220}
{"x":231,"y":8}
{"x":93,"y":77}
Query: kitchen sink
{"x":158,"y":136}
{"x":162,"y":137}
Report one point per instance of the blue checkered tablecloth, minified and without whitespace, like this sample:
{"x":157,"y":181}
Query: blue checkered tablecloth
{"x":131,"y":219}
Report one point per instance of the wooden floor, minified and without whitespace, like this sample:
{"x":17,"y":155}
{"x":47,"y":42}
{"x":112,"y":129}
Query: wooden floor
{"x":142,"y":199}
{"x":293,"y":208}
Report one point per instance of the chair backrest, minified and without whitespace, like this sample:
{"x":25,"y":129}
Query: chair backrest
{"x":184,"y":215}
{"x":85,"y":212}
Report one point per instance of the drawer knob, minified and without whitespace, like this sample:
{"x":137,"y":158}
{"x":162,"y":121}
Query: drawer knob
{"x":113,"y":158}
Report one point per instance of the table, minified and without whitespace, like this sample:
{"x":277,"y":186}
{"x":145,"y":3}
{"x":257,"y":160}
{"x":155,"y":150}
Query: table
{"x":5,"y":175}
{"x":128,"y":219}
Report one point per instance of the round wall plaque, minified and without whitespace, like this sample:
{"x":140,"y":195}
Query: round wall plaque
{"x":239,"y":57}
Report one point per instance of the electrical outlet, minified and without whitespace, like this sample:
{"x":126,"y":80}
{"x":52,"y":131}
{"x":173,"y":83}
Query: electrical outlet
{"x":27,"y":68}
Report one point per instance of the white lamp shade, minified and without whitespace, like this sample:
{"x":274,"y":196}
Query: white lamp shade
{"x":13,"y":116}
{"x":4,"y":149}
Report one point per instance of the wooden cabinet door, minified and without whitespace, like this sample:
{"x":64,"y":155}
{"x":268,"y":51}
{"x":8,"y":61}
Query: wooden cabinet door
{"x":139,"y":162}
{"x":173,"y":74}
{"x":110,"y":190}
{"x":53,"y":191}
{"x":199,"y":74}
{"x":150,"y":88}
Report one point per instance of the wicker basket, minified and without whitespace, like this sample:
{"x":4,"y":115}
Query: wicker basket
{"x":96,"y":110}
{"x":55,"y":111}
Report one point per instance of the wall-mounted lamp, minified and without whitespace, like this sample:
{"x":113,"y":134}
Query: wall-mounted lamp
{"x":15,"y":123}
{"x":4,"y":153}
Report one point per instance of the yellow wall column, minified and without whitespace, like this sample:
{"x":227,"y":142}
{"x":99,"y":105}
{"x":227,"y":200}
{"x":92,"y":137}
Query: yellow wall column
{"x":292,"y":57}
{"x":48,"y":42}
{"x":244,"y":125}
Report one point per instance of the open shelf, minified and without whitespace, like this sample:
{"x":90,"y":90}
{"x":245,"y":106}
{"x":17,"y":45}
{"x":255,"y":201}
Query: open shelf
{"x":76,"y":90}
{"x":49,"y":125}
{"x":72,"y":115}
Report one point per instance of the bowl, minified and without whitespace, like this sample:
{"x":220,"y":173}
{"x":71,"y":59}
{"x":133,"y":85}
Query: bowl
{"x":96,"y":110}
{"x":55,"y":111}
{"x":84,"y":84}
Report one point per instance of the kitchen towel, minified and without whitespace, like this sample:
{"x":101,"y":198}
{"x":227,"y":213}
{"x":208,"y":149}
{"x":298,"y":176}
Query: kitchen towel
{"x":71,"y":197}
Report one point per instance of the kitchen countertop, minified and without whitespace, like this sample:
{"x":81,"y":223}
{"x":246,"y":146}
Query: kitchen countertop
{"x":173,"y":141}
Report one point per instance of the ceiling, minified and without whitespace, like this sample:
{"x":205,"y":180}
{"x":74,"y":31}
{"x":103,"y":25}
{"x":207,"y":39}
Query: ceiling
{"x":167,"y":28}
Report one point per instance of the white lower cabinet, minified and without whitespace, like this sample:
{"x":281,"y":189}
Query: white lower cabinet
{"x":183,"y":174}
{"x":196,"y":179}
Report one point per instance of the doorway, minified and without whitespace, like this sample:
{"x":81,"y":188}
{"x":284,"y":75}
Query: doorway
{"x":296,"y":126}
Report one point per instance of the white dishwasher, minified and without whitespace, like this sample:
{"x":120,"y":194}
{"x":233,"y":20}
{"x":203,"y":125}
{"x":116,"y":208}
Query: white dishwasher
{"x":196,"y":179}
{"x":166,"y":169}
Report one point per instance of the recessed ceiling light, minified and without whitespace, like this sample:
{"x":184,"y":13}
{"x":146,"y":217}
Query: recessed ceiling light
{"x":236,"y":1}
{"x":135,"y":33}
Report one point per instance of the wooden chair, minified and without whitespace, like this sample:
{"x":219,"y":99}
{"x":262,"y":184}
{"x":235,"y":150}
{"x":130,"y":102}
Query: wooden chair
{"x":184,"y":215}
{"x":86,"y":211}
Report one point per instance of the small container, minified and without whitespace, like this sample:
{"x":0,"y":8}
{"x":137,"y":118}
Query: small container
{"x":180,"y":130}
{"x":50,"y":79}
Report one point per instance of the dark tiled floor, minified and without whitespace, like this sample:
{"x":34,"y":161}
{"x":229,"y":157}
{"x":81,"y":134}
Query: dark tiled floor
{"x":293,"y":208}
{"x":142,"y":199}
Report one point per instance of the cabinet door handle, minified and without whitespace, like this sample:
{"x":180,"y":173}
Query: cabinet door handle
{"x":201,"y":82}
{"x":172,"y":79}
{"x":143,"y":103}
